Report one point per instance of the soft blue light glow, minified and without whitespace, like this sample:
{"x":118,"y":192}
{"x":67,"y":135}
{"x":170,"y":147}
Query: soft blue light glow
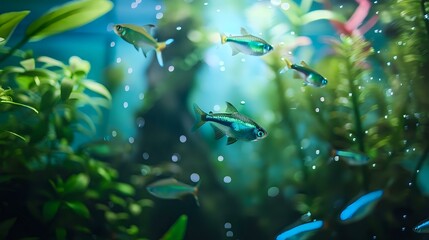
{"x":359,"y":208}
{"x":300,"y":229}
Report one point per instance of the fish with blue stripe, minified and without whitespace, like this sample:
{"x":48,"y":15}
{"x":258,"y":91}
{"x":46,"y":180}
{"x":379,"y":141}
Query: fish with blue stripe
{"x":361,"y":208}
{"x":422,"y":227}
{"x":247,"y":44}
{"x":301,"y":230}
{"x":231,"y":123}
{"x":170,"y":188}
{"x":310,"y":76}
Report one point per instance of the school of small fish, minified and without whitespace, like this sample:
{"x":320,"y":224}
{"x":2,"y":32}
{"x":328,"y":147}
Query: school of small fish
{"x":236,"y":126}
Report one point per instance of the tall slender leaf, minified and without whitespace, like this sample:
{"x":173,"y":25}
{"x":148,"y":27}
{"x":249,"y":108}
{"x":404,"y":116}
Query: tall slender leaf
{"x":8,"y":23}
{"x":97,"y":88}
{"x":79,"y":208}
{"x":66,"y":17}
{"x":177,"y":230}
{"x":5,"y":227}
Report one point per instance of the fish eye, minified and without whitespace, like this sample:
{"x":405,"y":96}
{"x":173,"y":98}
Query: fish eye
{"x":118,"y":27}
{"x":325,"y":81}
{"x":260,"y":133}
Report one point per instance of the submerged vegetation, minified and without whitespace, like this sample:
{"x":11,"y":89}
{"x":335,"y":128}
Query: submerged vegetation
{"x":372,"y":113}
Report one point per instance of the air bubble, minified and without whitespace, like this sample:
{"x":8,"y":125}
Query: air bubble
{"x":125,"y":104}
{"x":182,"y":138}
{"x":118,"y":60}
{"x":220,"y":158}
{"x":127,"y":88}
{"x":227,"y":225}
{"x":322,"y":99}
{"x":242,"y":102}
{"x":158,"y":7}
{"x":195,"y":177}
{"x":141,"y":96}
{"x":285,"y":6}
{"x":313,"y":167}
{"x":227,"y":179}
{"x":134,"y":5}
{"x":216,"y":107}
{"x":175,"y":157}
{"x":171,"y":68}
{"x":140,"y":122}
{"x":317,"y":152}
{"x":131,"y":140}
{"x":229,"y":234}
{"x":145,"y":156}
{"x":114,"y":134}
{"x":112,"y":44}
{"x":159,"y":15}
{"x":178,"y":28}
{"x":273,"y":191}
{"x":222,"y":69}
{"x":317,"y":110}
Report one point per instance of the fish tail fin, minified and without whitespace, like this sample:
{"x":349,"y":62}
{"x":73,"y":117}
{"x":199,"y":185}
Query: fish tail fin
{"x":162,"y":46}
{"x":201,"y":117}
{"x":288,"y":65}
{"x":223,"y":38}
{"x":197,"y":187}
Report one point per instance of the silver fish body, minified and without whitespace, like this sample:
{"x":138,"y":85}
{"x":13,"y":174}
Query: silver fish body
{"x":232,"y":124}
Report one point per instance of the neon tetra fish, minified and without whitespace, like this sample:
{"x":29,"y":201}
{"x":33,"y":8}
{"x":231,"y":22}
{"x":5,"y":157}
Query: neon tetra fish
{"x":141,"y":37}
{"x":300,"y":231}
{"x":310,"y":76}
{"x":352,"y":158}
{"x":361,"y":207}
{"x":230,"y":123}
{"x":422,"y":227}
{"x":170,"y":188}
{"x":247,"y":44}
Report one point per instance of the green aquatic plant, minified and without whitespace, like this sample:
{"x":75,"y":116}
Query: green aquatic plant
{"x":60,"y":19}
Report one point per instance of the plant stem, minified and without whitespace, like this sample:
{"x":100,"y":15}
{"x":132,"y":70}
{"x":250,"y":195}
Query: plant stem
{"x":14,"y":49}
{"x":289,"y":123}
{"x":419,"y":164}
{"x":357,"y":117}
{"x":425,"y":19}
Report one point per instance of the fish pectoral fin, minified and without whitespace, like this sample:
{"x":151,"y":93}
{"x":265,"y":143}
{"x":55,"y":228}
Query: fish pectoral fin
{"x":243,"y":31}
{"x":145,"y":48}
{"x":218,"y":133}
{"x":235,"y":51}
{"x":136,"y":47}
{"x":231,"y":140}
{"x":230,"y":108}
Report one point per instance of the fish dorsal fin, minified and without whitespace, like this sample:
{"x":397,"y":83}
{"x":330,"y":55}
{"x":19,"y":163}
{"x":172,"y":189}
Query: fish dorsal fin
{"x":243,"y":31}
{"x":231,"y":140}
{"x":218,"y":133}
{"x":304,"y":64}
{"x":149,"y":28}
{"x":230,"y":108}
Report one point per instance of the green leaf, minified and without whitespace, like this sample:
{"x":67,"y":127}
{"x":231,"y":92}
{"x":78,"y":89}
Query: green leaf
{"x":78,"y":66}
{"x":50,"y":208}
{"x":79,"y":208}
{"x":66,"y":88}
{"x":5,"y":227}
{"x":8,"y":23}
{"x":60,"y":233}
{"x":48,"y":100}
{"x":97,"y":88}
{"x":68,"y":16}
{"x":321,"y":14}
{"x":50,"y":62}
{"x":76,"y":183}
{"x":124,"y":188}
{"x":20,"y":104}
{"x":28,"y":64}
{"x":177,"y":230}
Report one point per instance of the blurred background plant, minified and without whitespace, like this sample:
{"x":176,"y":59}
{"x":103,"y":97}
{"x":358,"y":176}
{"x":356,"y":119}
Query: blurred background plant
{"x":373,"y":55}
